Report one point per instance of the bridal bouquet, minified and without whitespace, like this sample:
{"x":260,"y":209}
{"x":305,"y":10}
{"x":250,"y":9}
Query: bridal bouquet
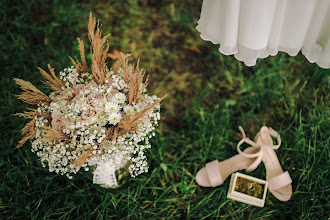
{"x":94,"y":116}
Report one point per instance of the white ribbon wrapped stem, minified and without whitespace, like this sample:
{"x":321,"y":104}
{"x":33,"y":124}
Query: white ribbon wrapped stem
{"x":105,"y":175}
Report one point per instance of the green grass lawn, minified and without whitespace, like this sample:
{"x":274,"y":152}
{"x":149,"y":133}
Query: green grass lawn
{"x":210,"y":95}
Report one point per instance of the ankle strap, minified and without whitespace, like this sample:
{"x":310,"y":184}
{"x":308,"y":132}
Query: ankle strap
{"x":248,"y":141}
{"x":257,"y":155}
{"x":274,"y":134}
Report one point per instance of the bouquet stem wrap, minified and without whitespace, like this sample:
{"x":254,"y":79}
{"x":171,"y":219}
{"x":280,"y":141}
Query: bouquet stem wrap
{"x":105,"y":175}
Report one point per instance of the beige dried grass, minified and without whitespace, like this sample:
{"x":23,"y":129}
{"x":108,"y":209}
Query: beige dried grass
{"x":32,"y":113}
{"x":135,"y":90}
{"x":122,"y":62}
{"x":74,"y":82}
{"x":82,"y":55}
{"x":79,"y":161}
{"x":130,"y":123}
{"x":28,"y":132}
{"x":49,"y":134}
{"x":80,"y":67}
{"x":132,"y":76}
{"x":111,"y":133}
{"x":99,"y":52}
{"x":52,"y":82}
{"x":31,"y":94}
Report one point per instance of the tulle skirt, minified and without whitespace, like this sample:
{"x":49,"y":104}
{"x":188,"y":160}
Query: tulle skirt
{"x":252,"y":29}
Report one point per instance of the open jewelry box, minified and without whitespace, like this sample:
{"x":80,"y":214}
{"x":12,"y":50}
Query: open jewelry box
{"x":247,"y":189}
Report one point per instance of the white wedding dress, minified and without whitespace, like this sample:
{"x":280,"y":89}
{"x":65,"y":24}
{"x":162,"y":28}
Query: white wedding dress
{"x":252,"y":29}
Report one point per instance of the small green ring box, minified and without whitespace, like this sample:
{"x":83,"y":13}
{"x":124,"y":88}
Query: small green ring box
{"x":247,"y":189}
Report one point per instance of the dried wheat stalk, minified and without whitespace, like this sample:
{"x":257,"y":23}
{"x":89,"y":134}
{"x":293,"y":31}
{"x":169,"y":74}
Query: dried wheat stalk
{"x":74,"y":82}
{"x":32,"y":113}
{"x":108,"y":134}
{"x":98,"y":51}
{"x":79,"y":161}
{"x":31,"y":94}
{"x":136,"y":89}
{"x":76,"y":63}
{"x":130,"y":123}
{"x":50,"y":134}
{"x":115,"y":134}
{"x":52,"y":82}
{"x":111,"y":134}
{"x":84,"y":68}
{"x":80,"y":67}
{"x":28,"y":132}
{"x":123,"y":63}
{"x":132,"y":76}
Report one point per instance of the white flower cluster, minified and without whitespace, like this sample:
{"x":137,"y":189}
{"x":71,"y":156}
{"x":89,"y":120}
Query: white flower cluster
{"x":85,"y":117}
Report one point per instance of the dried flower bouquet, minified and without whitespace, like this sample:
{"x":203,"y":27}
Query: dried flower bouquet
{"x":94,"y":115}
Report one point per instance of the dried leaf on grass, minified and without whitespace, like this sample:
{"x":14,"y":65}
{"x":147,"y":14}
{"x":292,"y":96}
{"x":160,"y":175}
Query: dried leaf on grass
{"x":194,"y":49}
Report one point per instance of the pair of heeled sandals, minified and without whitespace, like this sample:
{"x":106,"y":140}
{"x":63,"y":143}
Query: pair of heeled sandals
{"x":262,"y":149}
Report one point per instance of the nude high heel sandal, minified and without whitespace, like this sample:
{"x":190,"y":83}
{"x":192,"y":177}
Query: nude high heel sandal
{"x":215,"y":173}
{"x":279,"y":182}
